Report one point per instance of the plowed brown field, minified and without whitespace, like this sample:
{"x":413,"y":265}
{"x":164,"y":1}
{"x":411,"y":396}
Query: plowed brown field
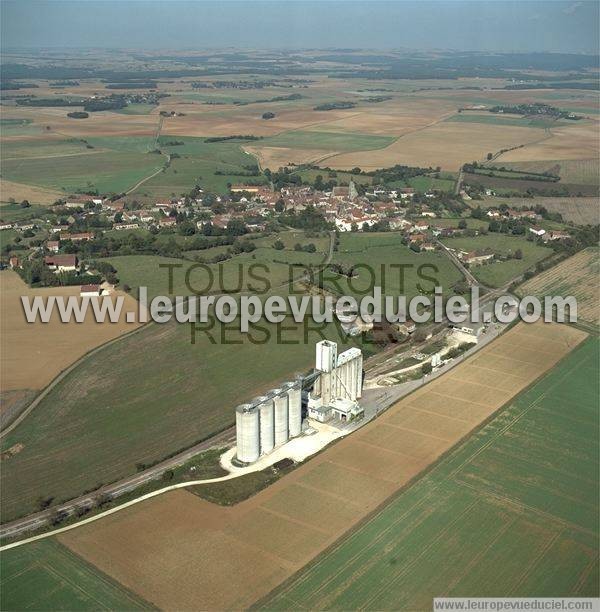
{"x":180,"y":552}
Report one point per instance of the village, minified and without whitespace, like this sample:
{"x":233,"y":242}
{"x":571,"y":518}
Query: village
{"x":61,"y":234}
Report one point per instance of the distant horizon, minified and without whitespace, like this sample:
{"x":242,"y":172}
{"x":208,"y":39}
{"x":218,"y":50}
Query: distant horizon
{"x":553,"y":26}
{"x":217,"y":49}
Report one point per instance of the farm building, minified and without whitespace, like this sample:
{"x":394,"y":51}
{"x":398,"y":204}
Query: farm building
{"x":244,"y":189}
{"x":62,"y":263}
{"x":468,"y":332}
{"x":90,"y":291}
{"x":476,"y":258}
{"x":80,"y":237}
{"x":536,"y":230}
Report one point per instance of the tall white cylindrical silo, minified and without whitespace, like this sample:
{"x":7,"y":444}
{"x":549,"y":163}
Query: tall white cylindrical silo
{"x":353,"y":378}
{"x":359,"y":375}
{"x":247,"y":433}
{"x":294,"y":395}
{"x":348,"y":380}
{"x":264,"y":405}
{"x":280,"y":402}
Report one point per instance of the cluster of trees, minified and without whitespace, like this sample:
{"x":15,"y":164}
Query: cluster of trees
{"x":397,"y":173}
{"x":496,"y":172}
{"x":78,"y":115}
{"x":535,"y":108}
{"x":234,"y":84}
{"x":308,"y":219}
{"x":104,"y":104}
{"x":28,"y":101}
{"x":234,"y":137}
{"x":133,"y":85}
{"x":376,"y":99}
{"x":159,"y":242}
{"x":307,"y":248}
{"x":244,"y":245}
{"x":248,"y":170}
{"x":11,"y":85}
{"x":36,"y":274}
{"x":266,"y":100}
{"x":327,"y":106}
{"x":108,"y":271}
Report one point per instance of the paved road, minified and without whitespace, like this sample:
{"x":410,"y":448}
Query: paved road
{"x":381,"y":399}
{"x":459,"y":264}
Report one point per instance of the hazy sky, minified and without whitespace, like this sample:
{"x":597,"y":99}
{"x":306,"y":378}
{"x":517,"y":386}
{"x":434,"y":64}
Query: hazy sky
{"x":173,"y":24}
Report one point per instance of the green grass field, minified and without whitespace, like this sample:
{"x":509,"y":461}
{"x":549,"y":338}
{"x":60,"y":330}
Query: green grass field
{"x":48,"y":576}
{"x":453,"y":222}
{"x":309,"y":175}
{"x":331,"y":141}
{"x":372,"y":251}
{"x":198,"y":163}
{"x":422,"y":184}
{"x":12,"y":212}
{"x":112,"y":165}
{"x":137,"y":109}
{"x":501,"y":119}
{"x":140,"y":399}
{"x":117,"y":163}
{"x":499,"y":273}
{"x":513,"y":512}
{"x":577,"y":171}
{"x":18,"y":127}
{"x":160,"y":384}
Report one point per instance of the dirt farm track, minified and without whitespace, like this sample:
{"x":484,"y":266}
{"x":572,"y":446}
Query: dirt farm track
{"x":178,"y":551}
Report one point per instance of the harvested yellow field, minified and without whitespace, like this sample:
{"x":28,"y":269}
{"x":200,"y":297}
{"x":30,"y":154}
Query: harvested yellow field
{"x":576,"y":276}
{"x":19,"y":192}
{"x":230,"y":120}
{"x":35,"y":353}
{"x":53,"y":121}
{"x":569,"y":142}
{"x":276,"y":157}
{"x":180,"y":552}
{"x":394,"y":118}
{"x":445,"y":144}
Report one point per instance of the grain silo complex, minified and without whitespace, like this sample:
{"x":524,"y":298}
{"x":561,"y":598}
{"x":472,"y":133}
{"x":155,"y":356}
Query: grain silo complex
{"x":338,"y":386}
{"x":269,"y":421}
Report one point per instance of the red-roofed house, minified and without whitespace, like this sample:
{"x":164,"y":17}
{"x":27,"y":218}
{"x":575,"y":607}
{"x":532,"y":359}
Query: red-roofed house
{"x":557,"y":235}
{"x":62,"y":263}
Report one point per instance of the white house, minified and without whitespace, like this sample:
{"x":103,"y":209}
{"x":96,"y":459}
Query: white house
{"x":90,"y":291}
{"x":537,"y":230}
